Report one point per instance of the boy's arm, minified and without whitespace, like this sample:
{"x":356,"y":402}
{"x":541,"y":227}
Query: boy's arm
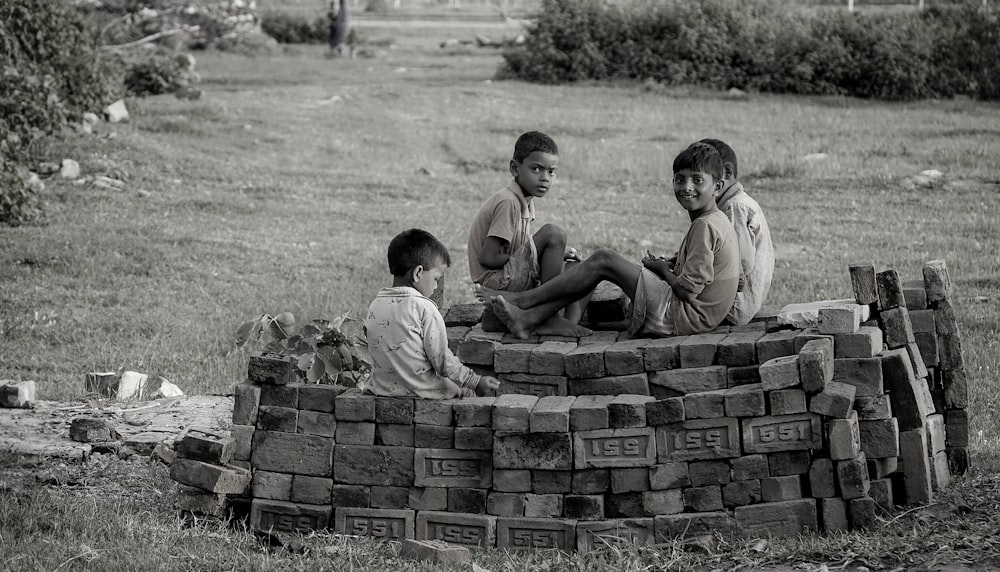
{"x":665,"y":270}
{"x":745,"y":238}
{"x":495,"y":253}
{"x":698,"y":269}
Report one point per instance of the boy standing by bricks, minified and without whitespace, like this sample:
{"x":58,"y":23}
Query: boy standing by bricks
{"x":407,"y":338}
{"x":753,"y":235}
{"x":689,"y":295}
{"x":504,"y":255}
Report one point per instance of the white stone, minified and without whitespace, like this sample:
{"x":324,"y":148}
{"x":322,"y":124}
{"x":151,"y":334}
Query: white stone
{"x":116,"y":112}
{"x":806,"y":315}
{"x":932,"y":173}
{"x":811,"y":157}
{"x":69,"y":169}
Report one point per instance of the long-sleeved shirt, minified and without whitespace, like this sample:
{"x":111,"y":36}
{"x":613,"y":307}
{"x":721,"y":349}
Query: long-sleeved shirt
{"x":408,"y":344}
{"x":756,"y":251}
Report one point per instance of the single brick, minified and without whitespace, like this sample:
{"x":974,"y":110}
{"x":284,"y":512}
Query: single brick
{"x":628,"y":411}
{"x":319,"y":397}
{"x":591,"y":481}
{"x":881,"y":468}
{"x":350,"y":495}
{"x":833,"y":515}
{"x":741,"y":493}
{"x":922,"y":321}
{"x":777,"y":489}
{"x":465,"y":529}
{"x":513,"y":412}
{"x":350,"y":433}
{"x":468,"y":501}
{"x":739,"y":348}
{"x":816,"y":364}
{"x":915,"y":295}
{"x":910,"y":398}
{"x":916,"y":360}
{"x":589,"y":412}
{"x":852,"y":477}
{"x":916,"y":466}
{"x":787,"y":401}
{"x":586,"y":361}
{"x":512,"y":480}
{"x":865,"y":374}
{"x":396,"y":435}
{"x":705,"y":405}
{"x":373,"y":465}
{"x":550,"y":414}
{"x":785,"y":518}
{"x":549,"y":358}
{"x":395,"y":410}
{"x":292,"y":453}
{"x":940,"y":472}
{"x":864,"y":343}
{"x":479,"y":347}
{"x":749,"y":467}
{"x":246,"y":403}
{"x":957,"y":428}
{"x":434,"y":551}
{"x":836,"y":400}
{"x":743,"y":375}
{"x":667,"y":501}
{"x":536,"y":533}
{"x":375,"y":523}
{"x":714,"y":472}
{"x":687,"y":525}
{"x":745,"y":401}
{"x":776,"y":344}
{"x":280,"y":516}
{"x":782,"y":433}
{"x":316,"y":423}
{"x":434,"y":412}
{"x":936,"y":434}
{"x":433,"y":436}
{"x":699,"y":350}
{"x":635,"y":447}
{"x":664,"y":411}
{"x":822,"y":479}
{"x":937,"y":281}
{"x":445,"y":467}
{"x":311,"y":490}
{"x":551,"y":482}
{"x":896,"y":327}
{"x":427,"y":498}
{"x":863,"y":513}
{"x":474,"y":411}
{"x":669,"y":476}
{"x":513,"y":358}
{"x":537,"y":385}
{"x":352,"y":405}
{"x":213,"y":478}
{"x":881,"y":492}
{"x":505,"y":504}
{"x":546,"y":451}
{"x":242,"y":442}
{"x":698,"y":439}
{"x":273,"y":418}
{"x":625,"y":357}
{"x":950,"y":353}
{"x":630,"y":480}
{"x":613,"y":533}
{"x":808,"y":335}
{"x":863,"y":282}
{"x":703,"y":499}
{"x":945,"y":319}
{"x":844,"y":437}
{"x":927,"y":345}
{"x":890,"y":290}
{"x":265,"y":369}
{"x":877,"y":407}
{"x":583,"y":507}
{"x":274,"y":486}
{"x":637,"y":384}
{"x":880,"y":438}
{"x":474,"y":438}
{"x":691,"y":380}
{"x":784,"y":463}
{"x":780,"y":373}
{"x":389,"y":497}
{"x":663,"y":354}
{"x":842,"y":319}
{"x":208,"y":447}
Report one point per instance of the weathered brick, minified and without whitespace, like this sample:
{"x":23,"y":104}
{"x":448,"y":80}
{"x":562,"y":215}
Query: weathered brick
{"x":745,"y":401}
{"x":242,"y":442}
{"x":741,"y":493}
{"x":669,"y":476}
{"x":880,"y":438}
{"x":549,"y":358}
{"x":863,"y":513}
{"x":583,"y":507}
{"x":551,"y":482}
{"x":625,"y":357}
{"x":865,"y":374}
{"x":586,"y":361}
{"x":550,"y":414}
{"x":536,"y":533}
{"x":877,"y":407}
{"x":915,"y":295}
{"x":373,"y":465}
{"x":505,"y":504}
{"x":739,"y":348}
{"x":936,"y":434}
{"x":427,"y":498}
{"x":880,"y":468}
{"x":937,"y":281}
{"x":513,"y":358}
{"x":270,"y":370}
{"x":537,"y":385}
{"x":816,"y":364}
{"x":394,"y":410}
{"x":547,"y":451}
{"x":280,"y":516}
{"x":465,"y":529}
{"x":784,"y":463}
{"x":836,"y":400}
{"x":776,"y":344}
{"x":479,"y":347}
{"x":714,"y":472}
{"x":664,"y":411}
{"x":787,"y":401}
{"x":474,"y":438}
{"x":352,"y":405}
{"x":863,"y":282}
{"x":200,"y":502}
{"x":590,"y":481}
{"x":469,"y":501}
{"x":316,"y":423}
{"x":852,"y":477}
{"x":945,"y":319}
{"x":392,"y":435}
{"x":703,"y":499}
{"x":433,"y":437}
{"x":589,"y":412}
{"x":463,"y":314}
{"x":940,"y":472}
{"x":957,"y":428}
{"x":389,"y":497}
{"x":630,"y":480}
{"x":881,"y":492}
{"x":687,"y":525}
{"x":749,"y":467}
{"x":213,"y":478}
{"x":311,"y":490}
{"x":699,"y":350}
{"x":205,"y":446}
{"x":434,"y":552}
{"x":927,"y":346}
{"x":822,"y":479}
{"x":378,"y":523}
{"x":512,"y":480}
{"x":890,"y":290}
{"x":628,"y":411}
{"x":910,"y":398}
{"x":896,"y":327}
{"x":705,"y":404}
{"x":513,"y":412}
{"x":743,"y":375}
{"x":950,"y":352}
{"x":667,"y":501}
{"x":663,"y":354}
{"x":292,"y":453}
{"x":319,"y":396}
{"x":958,"y":460}
{"x":833,"y":515}
{"x":269,"y":485}
{"x":246,"y":403}
{"x":474,"y":411}
{"x":350,"y":495}
{"x":782,"y":433}
{"x":273,"y":418}
{"x":691,"y":380}
{"x":808,"y":335}
{"x":922,"y":321}
{"x":784,"y":488}
{"x":452,"y":468}
{"x":637,"y":384}
{"x":434,"y":412}
{"x":698,"y":439}
{"x":842,"y":319}
{"x":601,"y":448}
{"x":350,"y":433}
{"x":844,"y":437}
{"x":865,"y":343}
{"x":780,"y":372}
{"x":786,"y":518}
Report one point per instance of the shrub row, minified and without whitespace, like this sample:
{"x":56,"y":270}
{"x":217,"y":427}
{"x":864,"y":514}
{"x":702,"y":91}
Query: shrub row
{"x":291,"y":29}
{"x":764,"y":45}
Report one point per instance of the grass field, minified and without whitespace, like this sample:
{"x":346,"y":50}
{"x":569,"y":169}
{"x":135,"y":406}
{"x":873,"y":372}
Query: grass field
{"x":280,"y":188}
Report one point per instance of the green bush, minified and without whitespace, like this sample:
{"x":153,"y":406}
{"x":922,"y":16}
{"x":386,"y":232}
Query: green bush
{"x":52,"y":72}
{"x":290,"y":29}
{"x":765,"y":45}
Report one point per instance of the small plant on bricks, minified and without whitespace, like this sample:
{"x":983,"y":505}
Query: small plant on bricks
{"x":319,"y":350}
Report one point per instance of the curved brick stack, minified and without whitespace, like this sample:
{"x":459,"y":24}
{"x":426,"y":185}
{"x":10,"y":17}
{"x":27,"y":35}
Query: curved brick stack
{"x":757,"y":430}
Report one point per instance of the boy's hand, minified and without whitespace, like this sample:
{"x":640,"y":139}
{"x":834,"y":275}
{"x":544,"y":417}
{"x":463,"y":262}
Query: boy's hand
{"x":488,"y":385}
{"x":659,"y":266}
{"x":571,"y":255}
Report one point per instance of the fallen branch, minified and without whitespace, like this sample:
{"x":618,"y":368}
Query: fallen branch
{"x":150,"y":38}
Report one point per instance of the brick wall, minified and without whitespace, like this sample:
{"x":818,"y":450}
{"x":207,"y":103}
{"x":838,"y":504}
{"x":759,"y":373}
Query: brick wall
{"x":766,"y":429}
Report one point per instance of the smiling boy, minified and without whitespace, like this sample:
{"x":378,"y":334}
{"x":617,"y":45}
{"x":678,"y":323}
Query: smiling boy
{"x":690,"y":295}
{"x":503,"y":253}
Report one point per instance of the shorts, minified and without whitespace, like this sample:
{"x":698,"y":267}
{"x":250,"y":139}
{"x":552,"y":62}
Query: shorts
{"x":519,"y":274}
{"x":650,"y":311}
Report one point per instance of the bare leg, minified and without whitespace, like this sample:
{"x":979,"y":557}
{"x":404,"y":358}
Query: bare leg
{"x":550,"y":242}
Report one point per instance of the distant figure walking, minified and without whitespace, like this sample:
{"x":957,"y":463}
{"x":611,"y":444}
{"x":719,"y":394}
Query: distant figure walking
{"x":340,"y":23}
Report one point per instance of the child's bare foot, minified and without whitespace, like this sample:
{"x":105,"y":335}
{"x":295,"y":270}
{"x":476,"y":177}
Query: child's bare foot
{"x":513,"y":317}
{"x":559,"y":326}
{"x":486,"y":295}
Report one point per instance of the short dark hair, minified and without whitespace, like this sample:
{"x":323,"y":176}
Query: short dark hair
{"x":533,"y":141}
{"x":700,"y":157}
{"x":415,"y":247}
{"x":728,"y":155}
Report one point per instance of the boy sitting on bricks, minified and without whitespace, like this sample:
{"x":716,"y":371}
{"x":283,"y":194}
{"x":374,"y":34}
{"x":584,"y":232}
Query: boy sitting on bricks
{"x":504,"y":255}
{"x":687,"y":295}
{"x":407,"y":338}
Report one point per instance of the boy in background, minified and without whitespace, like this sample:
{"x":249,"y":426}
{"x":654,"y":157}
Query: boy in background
{"x":407,"y":338}
{"x":503,"y":253}
{"x":689,"y":295}
{"x":753,"y":235}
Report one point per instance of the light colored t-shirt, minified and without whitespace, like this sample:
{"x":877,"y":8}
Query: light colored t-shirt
{"x":408,"y":344}
{"x":709,"y":265}
{"x":756,"y":252}
{"x":507,"y":215}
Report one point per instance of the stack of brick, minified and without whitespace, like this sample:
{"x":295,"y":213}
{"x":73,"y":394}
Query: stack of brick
{"x":207,"y":480}
{"x":753,"y":430}
{"x":17,"y":394}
